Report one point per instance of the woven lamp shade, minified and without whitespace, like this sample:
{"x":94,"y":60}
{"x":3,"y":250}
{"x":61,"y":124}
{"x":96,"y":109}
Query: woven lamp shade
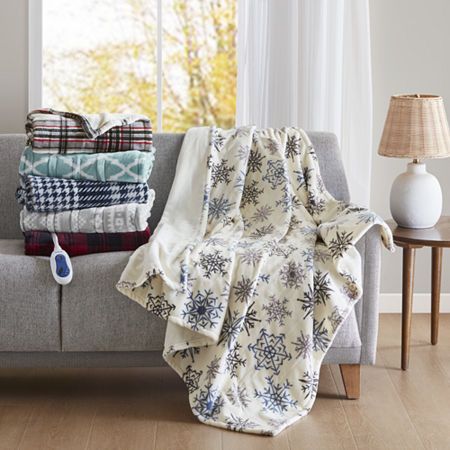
{"x":416,"y":127}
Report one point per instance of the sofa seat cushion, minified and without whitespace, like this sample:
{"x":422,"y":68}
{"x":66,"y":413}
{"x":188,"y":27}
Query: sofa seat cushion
{"x":29,"y":301}
{"x":96,"y":317}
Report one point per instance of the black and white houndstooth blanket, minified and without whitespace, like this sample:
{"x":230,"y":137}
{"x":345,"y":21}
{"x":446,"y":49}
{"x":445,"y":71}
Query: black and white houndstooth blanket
{"x":42,"y":194}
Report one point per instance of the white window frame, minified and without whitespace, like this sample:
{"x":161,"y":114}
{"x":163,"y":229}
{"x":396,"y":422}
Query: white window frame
{"x":35,"y":60}
{"x":34,"y":54}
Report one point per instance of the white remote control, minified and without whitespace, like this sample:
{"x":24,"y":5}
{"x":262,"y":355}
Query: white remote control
{"x":60,"y":263}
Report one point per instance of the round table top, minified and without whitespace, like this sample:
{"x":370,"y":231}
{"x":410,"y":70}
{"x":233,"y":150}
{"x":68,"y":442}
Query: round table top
{"x":437,"y":236}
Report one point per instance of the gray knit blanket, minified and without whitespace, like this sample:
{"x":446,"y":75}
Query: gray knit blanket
{"x":125,"y":218}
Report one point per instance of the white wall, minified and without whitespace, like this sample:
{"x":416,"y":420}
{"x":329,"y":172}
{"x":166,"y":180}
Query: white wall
{"x":13,"y":65}
{"x":410,"y":53}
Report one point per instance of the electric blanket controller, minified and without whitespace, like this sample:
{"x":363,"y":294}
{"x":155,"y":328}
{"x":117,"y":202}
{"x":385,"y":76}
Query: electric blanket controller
{"x":60,"y":264}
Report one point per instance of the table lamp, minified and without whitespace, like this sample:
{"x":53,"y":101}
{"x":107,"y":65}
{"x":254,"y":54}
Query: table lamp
{"x":416,"y":127}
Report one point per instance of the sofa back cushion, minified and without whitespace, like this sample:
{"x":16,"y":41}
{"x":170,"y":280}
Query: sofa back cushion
{"x":11,"y":147}
{"x":167,"y":146}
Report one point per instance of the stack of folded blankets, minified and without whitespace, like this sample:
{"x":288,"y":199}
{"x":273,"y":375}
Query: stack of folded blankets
{"x":84,"y":177}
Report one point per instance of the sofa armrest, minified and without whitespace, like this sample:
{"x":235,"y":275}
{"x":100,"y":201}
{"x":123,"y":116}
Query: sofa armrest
{"x":367,"y":308}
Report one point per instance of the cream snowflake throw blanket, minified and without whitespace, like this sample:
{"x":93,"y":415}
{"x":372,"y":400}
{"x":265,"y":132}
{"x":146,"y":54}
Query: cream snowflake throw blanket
{"x":254,"y":266}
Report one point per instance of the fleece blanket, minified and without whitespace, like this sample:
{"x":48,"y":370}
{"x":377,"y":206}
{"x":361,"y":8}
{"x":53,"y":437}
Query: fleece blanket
{"x":39,"y":243}
{"x":53,"y":131}
{"x":255,"y":268}
{"x":108,"y":219}
{"x":127,"y":167}
{"x":45,"y":194}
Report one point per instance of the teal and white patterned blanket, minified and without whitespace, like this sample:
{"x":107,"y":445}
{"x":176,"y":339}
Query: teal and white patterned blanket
{"x":129,"y":167}
{"x":254,"y":266}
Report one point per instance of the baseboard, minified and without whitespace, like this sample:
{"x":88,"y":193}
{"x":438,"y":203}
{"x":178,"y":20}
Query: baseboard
{"x":392,"y":303}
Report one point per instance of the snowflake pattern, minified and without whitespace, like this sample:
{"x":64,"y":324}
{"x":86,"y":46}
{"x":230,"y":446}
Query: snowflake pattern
{"x":292,"y":275}
{"x":350,"y":287}
{"x":213,"y":369}
{"x":340,"y":244}
{"x":288,"y":201}
{"x":216,"y":242}
{"x":322,"y":289}
{"x":273,"y":147}
{"x":238,"y":396}
{"x":242,"y":132}
{"x":303,"y":177}
{"x":250,"y":194}
{"x":269,"y":351}
{"x":252,"y":256}
{"x":257,"y":279}
{"x":217,"y":140}
{"x":191,"y":378}
{"x":303,"y":345}
{"x":276,"y":396}
{"x":231,"y":327}
{"x":220,"y":173}
{"x":280,"y":248}
{"x":366,"y":216}
{"x":262,"y":213}
{"x":293,"y":147}
{"x":236,"y":423}
{"x":208,"y":403}
{"x":335,"y":318}
{"x":244,"y":289}
{"x":159,"y":306}
{"x":264,"y":278}
{"x":250,"y":319}
{"x":240,"y":181}
{"x":218,"y":208}
{"x":262,"y":231}
{"x":320,"y":336}
{"x":234,"y":360}
{"x":150,"y":277}
{"x":202,"y":310}
{"x":243,"y":152}
{"x":308,"y":301}
{"x":276,"y":310}
{"x":276,"y":174}
{"x":316,"y":205}
{"x":310,"y":384}
{"x":308,"y":258}
{"x":187,"y":353}
{"x":255,"y":161}
{"x":321,"y":254}
{"x":213,"y":263}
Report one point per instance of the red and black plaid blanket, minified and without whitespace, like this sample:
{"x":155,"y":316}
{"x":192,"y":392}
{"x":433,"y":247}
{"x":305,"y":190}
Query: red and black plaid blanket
{"x":39,"y":243}
{"x":53,"y":131}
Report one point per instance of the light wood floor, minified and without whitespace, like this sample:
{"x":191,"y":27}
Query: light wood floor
{"x":147,"y":408}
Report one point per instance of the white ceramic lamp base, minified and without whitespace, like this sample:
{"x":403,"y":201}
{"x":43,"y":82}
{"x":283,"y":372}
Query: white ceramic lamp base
{"x":416,"y":198}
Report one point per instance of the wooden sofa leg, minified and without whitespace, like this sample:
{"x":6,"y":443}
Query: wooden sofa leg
{"x":351,"y":376}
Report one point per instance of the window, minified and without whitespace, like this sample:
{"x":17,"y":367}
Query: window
{"x":172,"y":60}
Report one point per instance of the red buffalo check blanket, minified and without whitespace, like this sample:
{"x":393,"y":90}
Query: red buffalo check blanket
{"x":53,"y":131}
{"x":39,"y":243}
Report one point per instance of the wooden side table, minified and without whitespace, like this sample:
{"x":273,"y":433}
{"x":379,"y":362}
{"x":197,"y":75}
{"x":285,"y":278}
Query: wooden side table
{"x":409,"y":239}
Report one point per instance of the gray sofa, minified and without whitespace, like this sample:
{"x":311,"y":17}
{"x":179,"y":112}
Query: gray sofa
{"x":88,"y":323}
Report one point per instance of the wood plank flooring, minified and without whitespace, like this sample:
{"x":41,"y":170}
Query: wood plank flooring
{"x":147,"y":408}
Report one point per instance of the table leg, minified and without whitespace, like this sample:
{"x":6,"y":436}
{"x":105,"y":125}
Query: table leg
{"x":436,"y":264}
{"x":407,"y":297}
